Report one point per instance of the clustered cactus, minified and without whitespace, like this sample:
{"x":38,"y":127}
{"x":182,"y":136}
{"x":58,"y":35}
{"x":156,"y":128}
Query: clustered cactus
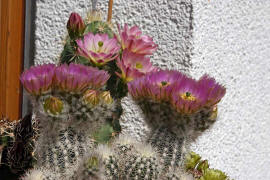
{"x":77,"y":109}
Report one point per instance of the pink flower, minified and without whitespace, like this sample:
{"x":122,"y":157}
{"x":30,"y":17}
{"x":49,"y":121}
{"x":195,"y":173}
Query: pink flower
{"x":133,"y":66}
{"x":214,"y":91}
{"x":185,"y":94}
{"x":133,"y":40}
{"x":99,"y":49}
{"x":75,"y":25}
{"x":38,"y":80}
{"x":156,"y":85}
{"x":76,"y":78}
{"x":188,"y":97}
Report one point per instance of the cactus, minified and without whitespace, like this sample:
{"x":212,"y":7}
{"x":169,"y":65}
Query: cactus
{"x":169,"y":146}
{"x":91,"y":167}
{"x":162,"y":114}
{"x":6,"y":135}
{"x":20,"y":153}
{"x":99,"y":27}
{"x":213,"y":174}
{"x":200,"y":168}
{"x":144,"y":164}
{"x":62,"y":153}
{"x":110,"y":162}
{"x":177,"y":174}
{"x":75,"y":110}
{"x":137,"y":160}
{"x":40,"y":174}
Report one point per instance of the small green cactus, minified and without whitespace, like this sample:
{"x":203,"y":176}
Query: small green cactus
{"x":99,"y":27}
{"x":213,"y":174}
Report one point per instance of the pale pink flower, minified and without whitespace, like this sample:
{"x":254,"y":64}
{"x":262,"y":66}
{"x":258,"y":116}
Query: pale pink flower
{"x":133,"y":66}
{"x":133,"y":40}
{"x":99,"y":48}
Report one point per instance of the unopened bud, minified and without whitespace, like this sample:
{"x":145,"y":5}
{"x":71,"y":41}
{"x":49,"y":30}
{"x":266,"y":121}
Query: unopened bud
{"x":213,"y":115}
{"x":53,"y":105}
{"x":106,"y":97}
{"x":90,"y":97}
{"x":75,"y":25}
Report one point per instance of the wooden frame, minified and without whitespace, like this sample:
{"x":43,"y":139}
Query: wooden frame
{"x":11,"y":56}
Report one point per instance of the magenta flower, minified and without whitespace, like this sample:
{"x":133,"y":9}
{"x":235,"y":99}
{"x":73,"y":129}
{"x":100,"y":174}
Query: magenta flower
{"x":214,"y":91}
{"x":185,"y":94}
{"x":133,"y":66}
{"x":99,"y":49}
{"x":75,"y":25}
{"x":76,"y":78}
{"x":133,"y":40}
{"x":38,"y":80}
{"x":188,"y":97}
{"x":156,"y":85}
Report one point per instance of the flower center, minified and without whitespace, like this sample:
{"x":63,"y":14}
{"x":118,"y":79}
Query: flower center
{"x":163,"y":84}
{"x":188,"y":96}
{"x":100,"y":43}
{"x":139,"y":66}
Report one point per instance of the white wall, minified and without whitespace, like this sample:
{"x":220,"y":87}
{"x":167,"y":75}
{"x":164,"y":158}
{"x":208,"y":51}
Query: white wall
{"x":228,"y":39}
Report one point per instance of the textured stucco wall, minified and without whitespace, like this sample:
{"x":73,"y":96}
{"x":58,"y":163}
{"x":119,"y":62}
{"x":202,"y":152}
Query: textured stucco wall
{"x":232,"y":44}
{"x":230,"y":40}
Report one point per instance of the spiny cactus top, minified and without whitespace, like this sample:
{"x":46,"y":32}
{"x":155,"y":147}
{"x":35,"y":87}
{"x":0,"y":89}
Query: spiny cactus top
{"x":133,"y":40}
{"x":99,"y":48}
{"x":73,"y":78}
{"x":185,"y":94}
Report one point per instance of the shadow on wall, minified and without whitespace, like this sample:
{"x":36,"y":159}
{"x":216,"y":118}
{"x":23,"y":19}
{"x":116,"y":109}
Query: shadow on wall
{"x":29,"y":47}
{"x":169,"y":22}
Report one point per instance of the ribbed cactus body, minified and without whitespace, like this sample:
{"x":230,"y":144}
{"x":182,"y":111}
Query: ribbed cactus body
{"x":92,"y":114}
{"x":139,"y":167}
{"x":40,"y":174}
{"x":162,"y":114}
{"x":111,"y":168}
{"x":90,"y":167}
{"x":63,"y":153}
{"x":169,"y":147}
{"x":137,"y":160}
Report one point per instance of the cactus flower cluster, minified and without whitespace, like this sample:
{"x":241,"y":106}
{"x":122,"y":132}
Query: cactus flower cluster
{"x":134,"y":62}
{"x":78,"y":107}
{"x":73,"y":78}
{"x":185,"y":94}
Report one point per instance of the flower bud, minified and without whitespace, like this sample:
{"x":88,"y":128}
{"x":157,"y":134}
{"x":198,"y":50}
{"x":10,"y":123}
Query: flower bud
{"x":106,"y":97}
{"x":75,"y":25}
{"x":53,"y":105}
{"x":213,"y":115}
{"x":90,"y":97}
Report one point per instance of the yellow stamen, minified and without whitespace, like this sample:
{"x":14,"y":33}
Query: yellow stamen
{"x":163,"y":84}
{"x":188,"y":96}
{"x":139,"y":66}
